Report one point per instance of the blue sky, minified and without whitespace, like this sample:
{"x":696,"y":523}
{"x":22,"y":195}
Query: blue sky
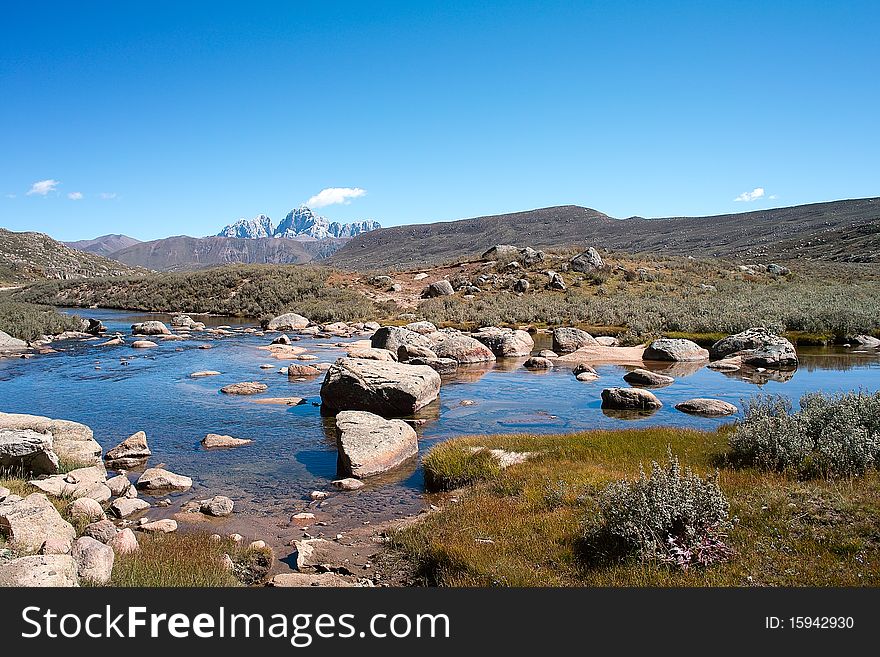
{"x":180,"y":117}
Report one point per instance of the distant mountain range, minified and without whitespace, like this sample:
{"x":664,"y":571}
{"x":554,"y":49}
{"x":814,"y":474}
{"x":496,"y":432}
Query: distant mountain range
{"x":843,"y":231}
{"x":299,"y":224}
{"x":104,"y":245}
{"x":30,"y":256}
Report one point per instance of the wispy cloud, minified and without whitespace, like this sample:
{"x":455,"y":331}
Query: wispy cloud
{"x":43,"y":187}
{"x":335,"y":196}
{"x":753,"y":195}
{"x":10,"y":196}
{"x":772,"y":197}
{"x":75,"y":196}
{"x":108,"y":195}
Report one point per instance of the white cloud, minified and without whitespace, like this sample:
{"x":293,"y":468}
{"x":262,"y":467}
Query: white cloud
{"x":772,"y":197}
{"x":108,"y":195}
{"x":10,"y":196}
{"x":75,"y":196}
{"x":335,"y":196}
{"x":43,"y":187}
{"x":753,"y":195}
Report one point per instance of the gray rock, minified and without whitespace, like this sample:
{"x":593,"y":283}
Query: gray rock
{"x":143,"y":344}
{"x":71,"y":441}
{"x":770,"y":356}
{"x":461,"y":348}
{"x":27,"y":451}
{"x":407,"y":351}
{"x":586,"y":262}
{"x":669,"y":349}
{"x":521,"y":286}
{"x":287,"y":322}
{"x":501,"y":252}
{"x":214,"y":440}
{"x":369,"y":445}
{"x":369,"y":353}
{"x":538,"y":363}
{"x":756,"y":340}
{"x":161,"y":479}
{"x":244,"y":388}
{"x":422,"y":327}
{"x":506,"y":343}
{"x":151,"y":327}
{"x":219,"y":506}
{"x":282,"y":339}
{"x":778,"y":270}
{"x":46,"y":570}
{"x":103,"y":530}
{"x":125,"y":506}
{"x":393,"y":337}
{"x":28,"y":523}
{"x":94,"y":560}
{"x":118,"y":485}
{"x":379,"y":387}
{"x":629,"y":399}
{"x":130,"y":453}
{"x":439,"y":365}
{"x":556,"y":282}
{"x":866,"y":341}
{"x":8,"y":343}
{"x":707,"y":407}
{"x":125,"y":542}
{"x":567,"y":339}
{"x":349,"y":483}
{"x":441,"y":288}
{"x":642,"y":377}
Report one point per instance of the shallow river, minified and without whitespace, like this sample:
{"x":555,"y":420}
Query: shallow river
{"x":294,"y":449}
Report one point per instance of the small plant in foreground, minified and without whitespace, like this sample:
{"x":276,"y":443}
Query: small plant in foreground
{"x":830,"y":436}
{"x":673,"y":516}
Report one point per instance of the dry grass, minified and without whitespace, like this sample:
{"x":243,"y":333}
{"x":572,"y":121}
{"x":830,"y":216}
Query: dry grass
{"x":523,"y":526}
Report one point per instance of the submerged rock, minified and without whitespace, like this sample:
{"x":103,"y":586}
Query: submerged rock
{"x":369,"y":444}
{"x":245,"y":388}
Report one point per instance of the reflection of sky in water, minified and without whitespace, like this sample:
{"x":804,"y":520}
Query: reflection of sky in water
{"x":294,"y":450}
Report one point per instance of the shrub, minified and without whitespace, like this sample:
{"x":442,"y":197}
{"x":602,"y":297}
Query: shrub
{"x":27,"y":321}
{"x":830,"y":436}
{"x":673,"y":516}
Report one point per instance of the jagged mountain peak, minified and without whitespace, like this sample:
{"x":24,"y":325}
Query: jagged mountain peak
{"x":300,"y":223}
{"x":259,"y":226}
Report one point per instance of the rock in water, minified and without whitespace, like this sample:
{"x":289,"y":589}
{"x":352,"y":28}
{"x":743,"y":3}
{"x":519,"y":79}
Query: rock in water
{"x":642,"y":377}
{"x":629,"y":399}
{"x":587,"y":262}
{"x":287,"y":322}
{"x":392,"y":338}
{"x":756,"y":339}
{"x":245,"y":388}
{"x":369,"y":445}
{"x":213,"y":440}
{"x":441,"y":288}
{"x":130,"y":453}
{"x":567,"y":339}
{"x":218,"y":506}
{"x":506,"y":343}
{"x":160,"y":479}
{"x":143,"y":344}
{"x":668,"y":349}
{"x":538,"y":363}
{"x":150,"y":328}
{"x":706,"y":407}
{"x":8,"y":343}
{"x":48,"y":570}
{"x":27,"y":451}
{"x":28,"y":523}
{"x":462,"y":349}
{"x":94,"y":560}
{"x":379,"y":387}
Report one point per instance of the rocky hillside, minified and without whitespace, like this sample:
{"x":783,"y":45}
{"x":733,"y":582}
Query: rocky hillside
{"x":186,"y":253}
{"x":104,"y":245}
{"x":844,"y":231}
{"x":33,"y":256}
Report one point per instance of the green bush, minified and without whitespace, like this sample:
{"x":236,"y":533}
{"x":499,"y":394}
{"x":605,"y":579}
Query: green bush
{"x":830,"y":436}
{"x":28,"y":321}
{"x":673,"y":516}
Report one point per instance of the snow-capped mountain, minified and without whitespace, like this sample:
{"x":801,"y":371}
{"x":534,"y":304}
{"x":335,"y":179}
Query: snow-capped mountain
{"x":300,"y":223}
{"x":259,"y":226}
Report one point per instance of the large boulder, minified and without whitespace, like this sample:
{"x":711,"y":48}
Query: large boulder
{"x":124,"y":506}
{"x":587,"y":262}
{"x":218,"y":506}
{"x":675,"y":350}
{"x":380,"y":387}
{"x":94,"y":560}
{"x":421,"y":327}
{"x":440,"y":365}
{"x":506,"y":343}
{"x":629,"y":399}
{"x":130,"y":453}
{"x":706,"y":407}
{"x":161,"y":479}
{"x":369,"y":445}
{"x":151,"y":327}
{"x":461,"y":348}
{"x":287,"y":322}
{"x":47,"y":570}
{"x":501,"y":253}
{"x":27,"y":451}
{"x":71,"y":441}
{"x":567,"y":339}
{"x":8,"y":343}
{"x":441,"y":288}
{"x":28,"y":523}
{"x":760,"y":343}
{"x":405,"y":352}
{"x":392,"y":337}
{"x":82,"y":482}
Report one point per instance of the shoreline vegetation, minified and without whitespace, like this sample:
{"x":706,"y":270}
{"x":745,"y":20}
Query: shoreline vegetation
{"x":550,"y":518}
